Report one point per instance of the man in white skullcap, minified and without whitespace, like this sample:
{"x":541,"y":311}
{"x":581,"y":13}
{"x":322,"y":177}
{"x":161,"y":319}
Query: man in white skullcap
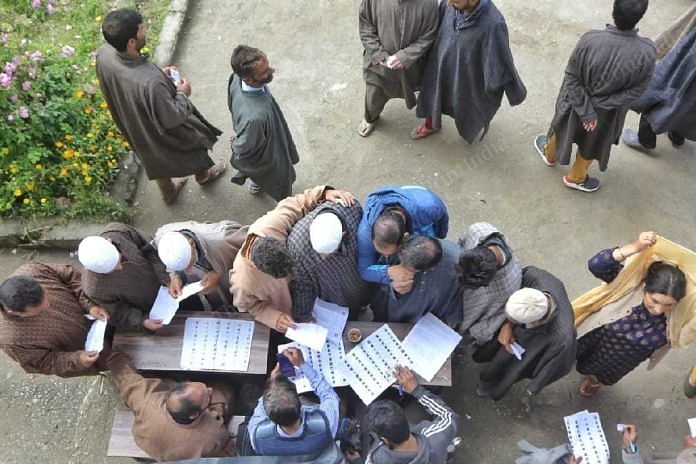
{"x":536,"y":342}
{"x":324,"y":249}
{"x":197,"y":251}
{"x":123,"y":274}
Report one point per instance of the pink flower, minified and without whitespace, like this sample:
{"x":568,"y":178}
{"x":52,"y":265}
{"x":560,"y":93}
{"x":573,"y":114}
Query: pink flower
{"x":14,"y":98}
{"x":23,"y":112}
{"x":10,"y":68}
{"x":4,"y":37}
{"x":26,"y":85}
{"x":5,"y":81}
{"x":35,"y":3}
{"x":10,"y":118}
{"x":36,"y":56}
{"x":49,"y":9}
{"x":67,"y":51}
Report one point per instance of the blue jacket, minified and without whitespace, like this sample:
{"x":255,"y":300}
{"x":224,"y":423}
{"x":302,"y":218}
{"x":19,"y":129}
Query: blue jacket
{"x":427,"y":213}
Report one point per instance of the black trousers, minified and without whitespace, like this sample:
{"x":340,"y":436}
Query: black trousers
{"x":648,"y":138}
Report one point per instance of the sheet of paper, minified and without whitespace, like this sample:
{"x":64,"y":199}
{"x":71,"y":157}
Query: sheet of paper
{"x":164,"y":308}
{"x":95,"y":336}
{"x":620,"y":427}
{"x":517,"y":350}
{"x":429,"y":343}
{"x":586,"y":437}
{"x":188,"y":290}
{"x":329,"y":361}
{"x":331,"y":316}
{"x":692,"y":427}
{"x":311,"y":335}
{"x":216,"y":344}
{"x":369,"y":366}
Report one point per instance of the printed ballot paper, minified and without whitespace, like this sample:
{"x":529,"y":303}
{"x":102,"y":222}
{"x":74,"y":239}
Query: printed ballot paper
{"x":692,"y":427}
{"x":586,"y":437}
{"x":95,"y":336}
{"x":311,"y":335}
{"x":517,"y":350}
{"x":429,"y":343}
{"x":331,"y":316}
{"x":329,"y":362}
{"x":216,"y":344}
{"x":165,"y":306}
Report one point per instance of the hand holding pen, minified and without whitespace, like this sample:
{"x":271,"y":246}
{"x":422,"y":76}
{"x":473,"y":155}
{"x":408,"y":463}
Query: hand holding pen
{"x":629,"y":437}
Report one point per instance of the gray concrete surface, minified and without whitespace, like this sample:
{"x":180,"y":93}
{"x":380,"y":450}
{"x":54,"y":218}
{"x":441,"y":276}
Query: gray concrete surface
{"x":316,"y":50}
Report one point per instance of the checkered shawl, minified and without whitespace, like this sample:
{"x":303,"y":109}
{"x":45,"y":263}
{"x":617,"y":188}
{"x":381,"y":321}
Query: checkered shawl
{"x":484,"y":307}
{"x":334,"y":279}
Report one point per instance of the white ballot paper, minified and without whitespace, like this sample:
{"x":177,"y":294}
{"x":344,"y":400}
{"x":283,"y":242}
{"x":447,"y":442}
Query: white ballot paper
{"x":165,"y":306}
{"x":95,"y":336}
{"x":517,"y":350}
{"x":331,"y":316}
{"x":311,"y":335}
{"x":586,"y":437}
{"x":692,"y":427}
{"x":216,"y":344}
{"x":429,"y":343}
{"x":369,"y":366}
{"x":329,"y":362}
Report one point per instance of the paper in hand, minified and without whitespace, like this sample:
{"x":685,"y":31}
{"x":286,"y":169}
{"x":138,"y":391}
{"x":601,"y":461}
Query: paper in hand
{"x":164,"y":308}
{"x":692,"y":427}
{"x":331,"y":316}
{"x":517,"y":350}
{"x":620,"y":427}
{"x":311,"y":335}
{"x":95,"y":336}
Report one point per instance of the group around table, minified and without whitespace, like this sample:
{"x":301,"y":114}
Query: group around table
{"x":391,"y":255}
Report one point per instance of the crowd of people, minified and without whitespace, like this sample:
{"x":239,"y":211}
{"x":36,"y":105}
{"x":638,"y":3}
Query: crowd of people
{"x":393,"y":254}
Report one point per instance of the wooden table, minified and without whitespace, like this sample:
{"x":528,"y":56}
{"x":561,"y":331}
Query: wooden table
{"x":400,"y":329}
{"x":161,"y":351}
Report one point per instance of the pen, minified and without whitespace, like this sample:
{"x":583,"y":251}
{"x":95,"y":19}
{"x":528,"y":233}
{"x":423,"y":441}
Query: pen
{"x":633,"y":448}
{"x":401,"y":390}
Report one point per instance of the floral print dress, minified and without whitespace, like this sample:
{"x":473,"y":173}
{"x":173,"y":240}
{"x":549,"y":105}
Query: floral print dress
{"x":613,"y":350}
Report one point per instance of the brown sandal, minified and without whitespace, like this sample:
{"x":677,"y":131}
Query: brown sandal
{"x":421,"y":131}
{"x":589,"y":387}
{"x":212,"y":173}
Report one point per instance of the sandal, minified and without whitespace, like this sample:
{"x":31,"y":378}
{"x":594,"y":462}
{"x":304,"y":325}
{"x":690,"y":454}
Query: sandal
{"x":589,"y":387}
{"x":365,"y":128}
{"x":421,"y":131}
{"x":212,"y":173}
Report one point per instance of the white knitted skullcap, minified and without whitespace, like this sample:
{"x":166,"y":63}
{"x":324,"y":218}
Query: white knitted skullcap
{"x":175,"y":251}
{"x":98,"y":255}
{"x":325,"y":233}
{"x":526,"y":306}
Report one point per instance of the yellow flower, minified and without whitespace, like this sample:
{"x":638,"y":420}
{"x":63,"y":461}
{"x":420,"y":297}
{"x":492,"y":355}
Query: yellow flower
{"x":145,"y":50}
{"x":79,"y":94}
{"x":125,"y":144}
{"x":89,"y":134}
{"x":26,"y":201}
{"x":13,"y":169}
{"x":85,"y":167}
{"x":59,"y":144}
{"x":53,"y":178}
{"x":31,"y":185}
{"x":75,"y":165}
{"x":69,"y":153}
{"x":63,"y":171}
{"x":43,"y":201}
{"x":5,"y":150}
{"x":103,"y":105}
{"x":93,"y":148}
{"x":17,"y":193}
{"x":68,"y":138}
{"x":38,"y":167}
{"x":98,"y":18}
{"x":95,"y":81}
{"x":110,"y":134}
{"x":113,"y":160}
{"x":109,"y":148}
{"x":88,"y":180}
{"x":88,"y":110}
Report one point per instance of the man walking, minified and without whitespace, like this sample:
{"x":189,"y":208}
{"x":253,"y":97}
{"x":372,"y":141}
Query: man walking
{"x":152,"y":110}
{"x":607,"y":71}
{"x":262,"y":149}
{"x":396,"y":34}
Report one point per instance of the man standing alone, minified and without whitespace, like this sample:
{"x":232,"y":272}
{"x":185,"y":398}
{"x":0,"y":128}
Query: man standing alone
{"x":153,"y":112}
{"x":396,"y":35}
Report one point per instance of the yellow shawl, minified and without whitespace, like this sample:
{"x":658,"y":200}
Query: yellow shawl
{"x":681,"y":323}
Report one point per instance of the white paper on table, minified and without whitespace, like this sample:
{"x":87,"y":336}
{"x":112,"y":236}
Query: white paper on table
{"x":216,"y":344}
{"x":331,"y":316}
{"x":95,"y":336}
{"x":369,"y":367}
{"x":517,"y":350}
{"x":429,"y":343}
{"x":311,"y":335}
{"x":586,"y":437}
{"x":692,"y":427}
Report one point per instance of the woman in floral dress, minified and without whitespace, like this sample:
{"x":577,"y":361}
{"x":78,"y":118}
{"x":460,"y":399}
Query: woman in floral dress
{"x":613,"y":350}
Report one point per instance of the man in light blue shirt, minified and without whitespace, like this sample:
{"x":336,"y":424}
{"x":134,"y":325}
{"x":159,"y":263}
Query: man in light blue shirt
{"x":282,"y":426}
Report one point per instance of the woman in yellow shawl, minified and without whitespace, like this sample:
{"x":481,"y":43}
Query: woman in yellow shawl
{"x":614,"y":349}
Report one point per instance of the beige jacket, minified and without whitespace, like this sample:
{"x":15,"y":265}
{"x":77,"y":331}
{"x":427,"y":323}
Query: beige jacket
{"x":669,"y":38}
{"x":259,"y":294}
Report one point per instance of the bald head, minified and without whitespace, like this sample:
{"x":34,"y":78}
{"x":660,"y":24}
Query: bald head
{"x":187,"y":400}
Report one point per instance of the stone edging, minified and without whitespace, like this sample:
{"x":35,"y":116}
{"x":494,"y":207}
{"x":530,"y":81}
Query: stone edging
{"x":51,"y":232}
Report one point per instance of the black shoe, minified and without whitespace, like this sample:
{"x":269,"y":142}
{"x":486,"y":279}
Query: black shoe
{"x":238,"y":178}
{"x":676,"y":138}
{"x":590,"y":184}
{"x":689,"y":390}
{"x":630,"y":138}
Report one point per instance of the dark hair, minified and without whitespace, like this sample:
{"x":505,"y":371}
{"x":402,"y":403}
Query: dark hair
{"x":19,"y":292}
{"x":627,"y":13}
{"x":389,"y":227}
{"x":420,"y":252}
{"x":120,"y":26}
{"x":387,"y":420}
{"x":281,"y":402}
{"x":186,"y":408}
{"x":666,"y":279}
{"x":350,"y":438}
{"x":244,"y":60}
{"x":476,"y":267}
{"x":272,"y":257}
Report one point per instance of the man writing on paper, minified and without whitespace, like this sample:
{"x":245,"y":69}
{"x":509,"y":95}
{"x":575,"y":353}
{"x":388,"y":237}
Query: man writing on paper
{"x":123,"y":274}
{"x":540,"y":320}
{"x":324,"y":248}
{"x":201,"y":251}
{"x":262,"y":271}
{"x":175,"y":421}
{"x":42,"y":323}
{"x":282,"y":426}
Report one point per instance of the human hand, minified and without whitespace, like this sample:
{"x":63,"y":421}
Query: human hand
{"x":340,"y":196}
{"x":284,"y":322}
{"x":168,"y":70}
{"x":628,"y":437}
{"x":505,"y":336}
{"x":87,"y":358}
{"x":402,"y":287}
{"x":574,"y":460}
{"x":645,"y":240}
{"x":294,"y":355}
{"x":275,"y":372}
{"x":153,"y":324}
{"x":209,"y":281}
{"x":399,"y":272}
{"x":184,"y":87}
{"x":396,"y":64}
{"x":406,"y":378}
{"x":99,"y":313}
{"x":590,"y":126}
{"x":689,"y":441}
{"x":175,"y":285}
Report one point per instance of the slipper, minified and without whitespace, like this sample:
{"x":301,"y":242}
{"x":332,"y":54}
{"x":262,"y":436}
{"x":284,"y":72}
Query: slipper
{"x":421,"y":132}
{"x":589,"y":387}
{"x":212,"y":173}
{"x":365,"y":128}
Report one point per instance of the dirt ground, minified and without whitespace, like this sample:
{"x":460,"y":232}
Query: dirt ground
{"x":315,"y":47}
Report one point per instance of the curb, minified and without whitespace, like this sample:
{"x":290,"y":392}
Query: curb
{"x":169,"y":36}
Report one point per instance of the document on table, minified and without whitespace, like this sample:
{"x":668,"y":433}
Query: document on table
{"x":331,"y":316}
{"x":95,"y":336}
{"x":329,"y":362}
{"x":517,"y":350}
{"x":165,"y":306}
{"x":692,"y":427}
{"x":587,"y":438}
{"x":216,"y":344}
{"x":311,"y":335}
{"x":369,"y":367}
{"x":429,"y":343}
